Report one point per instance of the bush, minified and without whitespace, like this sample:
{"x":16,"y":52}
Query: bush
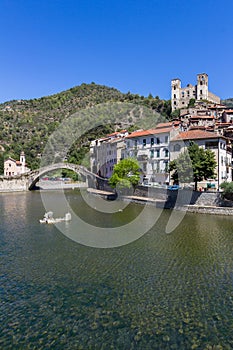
{"x":227,"y":188}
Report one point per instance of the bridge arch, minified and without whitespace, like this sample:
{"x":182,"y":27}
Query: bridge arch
{"x":92,"y":179}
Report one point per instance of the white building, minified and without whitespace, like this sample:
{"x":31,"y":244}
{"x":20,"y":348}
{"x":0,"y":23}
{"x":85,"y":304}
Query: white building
{"x":151,"y":149}
{"x":220,"y":145}
{"x":14,"y":167}
{"x":106,"y":152}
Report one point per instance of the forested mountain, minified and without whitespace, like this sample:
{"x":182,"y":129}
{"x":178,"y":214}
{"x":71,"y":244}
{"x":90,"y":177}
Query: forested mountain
{"x":27,"y":124}
{"x":228,"y":102}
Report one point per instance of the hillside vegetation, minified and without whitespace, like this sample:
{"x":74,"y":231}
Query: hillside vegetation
{"x":27,"y":124}
{"x":228,"y":102}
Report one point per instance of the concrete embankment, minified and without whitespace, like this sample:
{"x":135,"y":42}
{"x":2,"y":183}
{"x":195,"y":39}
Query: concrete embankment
{"x":184,"y":200}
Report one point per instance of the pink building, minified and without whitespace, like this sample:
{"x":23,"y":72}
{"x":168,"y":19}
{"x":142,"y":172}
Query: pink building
{"x":14,"y":167}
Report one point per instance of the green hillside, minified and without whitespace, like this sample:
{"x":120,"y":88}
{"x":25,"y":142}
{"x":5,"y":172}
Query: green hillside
{"x":27,"y":124}
{"x":228,"y":102}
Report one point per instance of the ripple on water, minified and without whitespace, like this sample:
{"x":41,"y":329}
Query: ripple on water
{"x":163,"y":291}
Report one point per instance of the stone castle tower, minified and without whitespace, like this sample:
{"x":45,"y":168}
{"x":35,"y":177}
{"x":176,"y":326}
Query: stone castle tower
{"x":180,"y":97}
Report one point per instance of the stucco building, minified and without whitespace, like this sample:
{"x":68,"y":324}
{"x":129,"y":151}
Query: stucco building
{"x":151,"y":149}
{"x":219,"y":145}
{"x":14,"y":167}
{"x":106,"y":152}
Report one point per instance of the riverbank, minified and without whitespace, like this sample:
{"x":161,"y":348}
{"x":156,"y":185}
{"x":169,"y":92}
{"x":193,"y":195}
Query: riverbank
{"x":59,"y":185}
{"x":20,"y":184}
{"x":201,"y":203}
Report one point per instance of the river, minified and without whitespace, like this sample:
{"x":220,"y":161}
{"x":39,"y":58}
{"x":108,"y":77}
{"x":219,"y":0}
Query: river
{"x":161,"y":291}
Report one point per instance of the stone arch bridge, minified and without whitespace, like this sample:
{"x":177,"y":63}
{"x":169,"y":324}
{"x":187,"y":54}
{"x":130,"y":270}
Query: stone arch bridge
{"x":92,"y":179}
{"x":28,"y":180}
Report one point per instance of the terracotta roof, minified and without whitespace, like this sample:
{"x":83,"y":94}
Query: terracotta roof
{"x":148,"y":132}
{"x":195,"y":135}
{"x":168,"y":124}
{"x":202,"y":117}
{"x":229,"y":111}
{"x":12,"y":159}
{"x":117,"y":132}
{"x":217,"y":106}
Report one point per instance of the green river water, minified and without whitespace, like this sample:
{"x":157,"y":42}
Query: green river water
{"x":161,"y":291}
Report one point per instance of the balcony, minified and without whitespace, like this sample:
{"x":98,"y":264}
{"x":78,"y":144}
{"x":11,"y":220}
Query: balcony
{"x":142,"y":157}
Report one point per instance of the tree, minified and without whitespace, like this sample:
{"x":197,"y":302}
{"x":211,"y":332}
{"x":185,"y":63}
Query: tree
{"x":194,"y":164}
{"x":125,"y":174}
{"x":227,"y":188}
{"x":191,"y":102}
{"x":1,"y":164}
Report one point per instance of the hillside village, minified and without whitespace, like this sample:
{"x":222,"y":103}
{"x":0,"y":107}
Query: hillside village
{"x":200,"y":118}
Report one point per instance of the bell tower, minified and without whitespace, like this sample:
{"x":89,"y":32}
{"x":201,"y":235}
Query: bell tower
{"x":175,"y":93}
{"x":202,"y":86}
{"x":23,"y":162}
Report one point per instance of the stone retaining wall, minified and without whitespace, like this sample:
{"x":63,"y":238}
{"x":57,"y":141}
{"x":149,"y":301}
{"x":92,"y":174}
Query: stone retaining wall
{"x":210,"y":210}
{"x":184,"y":197}
{"x":13,"y":184}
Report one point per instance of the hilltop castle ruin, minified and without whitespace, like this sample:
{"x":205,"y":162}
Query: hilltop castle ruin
{"x":180,"y":97}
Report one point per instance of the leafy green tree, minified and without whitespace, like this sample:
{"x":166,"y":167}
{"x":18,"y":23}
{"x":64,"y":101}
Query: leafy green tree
{"x":193,"y":165}
{"x":1,"y":164}
{"x":175,"y":114}
{"x":125,"y":174}
{"x":191,"y":102}
{"x":227,"y":188}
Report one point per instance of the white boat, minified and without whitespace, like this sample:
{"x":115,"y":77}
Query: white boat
{"x":49,"y":219}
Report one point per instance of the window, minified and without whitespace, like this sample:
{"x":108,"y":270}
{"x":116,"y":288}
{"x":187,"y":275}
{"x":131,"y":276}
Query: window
{"x":152,"y":141}
{"x":211,"y":145}
{"x":174,"y":95}
{"x":174,"y":87}
{"x":158,"y":153}
{"x":166,"y":166}
{"x":152,"y":153}
{"x":177,"y":148}
{"x":200,"y":92}
{"x":166,"y":139}
{"x":166,"y":152}
{"x":144,"y":142}
{"x":158,"y":141}
{"x":182,"y":93}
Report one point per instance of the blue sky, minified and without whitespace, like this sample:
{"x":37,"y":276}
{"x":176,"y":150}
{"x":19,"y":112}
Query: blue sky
{"x":48,"y":46}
